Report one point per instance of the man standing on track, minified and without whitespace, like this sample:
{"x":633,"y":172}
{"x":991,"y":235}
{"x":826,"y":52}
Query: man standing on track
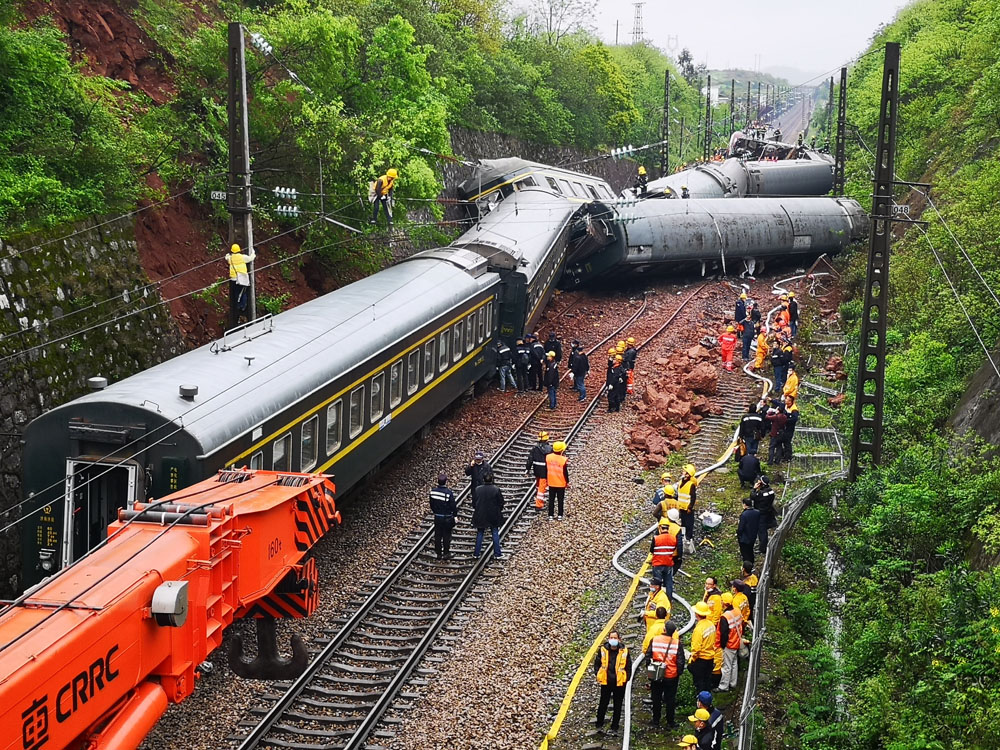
{"x":537,"y":466}
{"x":537,"y":361}
{"x":727,"y":345}
{"x":616,"y":385}
{"x":487,"y":512}
{"x":557,"y":476}
{"x":687,"y":494}
{"x":579,"y":365}
{"x":477,"y":470}
{"x":551,"y":378}
{"x":613,"y":667}
{"x":553,"y":344}
{"x":505,"y":362}
{"x":445,"y":508}
{"x":522,"y":365}
{"x":751,"y":427}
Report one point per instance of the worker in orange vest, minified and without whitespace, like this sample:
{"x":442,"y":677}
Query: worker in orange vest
{"x":536,"y":465}
{"x":664,"y":550}
{"x":731,"y":637}
{"x":666,"y":658}
{"x":557,"y":476}
{"x":727,"y":342}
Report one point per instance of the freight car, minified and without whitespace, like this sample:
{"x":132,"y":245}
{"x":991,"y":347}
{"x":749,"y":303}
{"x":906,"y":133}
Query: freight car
{"x":736,"y":178}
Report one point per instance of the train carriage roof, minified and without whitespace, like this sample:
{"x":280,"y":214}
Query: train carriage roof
{"x":308,"y":346}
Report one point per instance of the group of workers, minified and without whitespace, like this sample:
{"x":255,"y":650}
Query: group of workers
{"x":533,"y":365}
{"x":620,"y":376}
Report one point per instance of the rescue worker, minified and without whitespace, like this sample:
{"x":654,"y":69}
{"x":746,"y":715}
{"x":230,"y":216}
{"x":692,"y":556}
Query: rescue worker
{"x":791,"y":386}
{"x":613,"y":668}
{"x":616,"y":389}
{"x":776,"y":418}
{"x":713,"y":598}
{"x":753,"y":310}
{"x":630,"y":354}
{"x":239,"y":281}
{"x":666,"y":654}
{"x":684,"y":192}
{"x":445,"y":509}
{"x":781,"y":317}
{"x":557,"y":476}
{"x":748,"y":529}
{"x":665,"y":496}
{"x":727,"y":345}
{"x":762,"y":348}
{"x":522,"y":365}
{"x":537,"y":362}
{"x":741,"y":307}
{"x":579,"y":365}
{"x":702,"y":647}
{"x":505,"y":362}
{"x":750,"y":579}
{"x":746,"y":328}
{"x":741,"y":599}
{"x":382,"y":195}
{"x":477,"y":470}
{"x":687,"y":494}
{"x":641,"y":180}
{"x":551,"y":378}
{"x":656,"y":626}
{"x":487,"y":512}
{"x":731,"y":637}
{"x":793,"y":313}
{"x":691,"y":742}
{"x":751,"y":428}
{"x":748,"y":469}
{"x":762,"y":498}
{"x":657,"y":598}
{"x":716,"y":719}
{"x":792,"y":410}
{"x":536,"y":465}
{"x":553,"y":344}
{"x":664,"y":549}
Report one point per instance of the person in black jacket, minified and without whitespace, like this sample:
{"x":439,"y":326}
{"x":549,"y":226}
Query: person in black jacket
{"x":741,"y":308}
{"x":617,"y":380}
{"x":748,"y":469}
{"x":536,"y":465}
{"x":445,"y":508}
{"x":505,"y":362}
{"x":747,"y":332}
{"x":477,"y":470}
{"x":551,"y":378}
{"x":664,"y":690}
{"x":793,"y":314}
{"x":537,"y":362}
{"x":748,"y":529}
{"x":522,"y":365}
{"x":552,"y":344}
{"x":579,"y":365}
{"x":762,"y":498}
{"x":751,"y":428}
{"x":487,"y":512}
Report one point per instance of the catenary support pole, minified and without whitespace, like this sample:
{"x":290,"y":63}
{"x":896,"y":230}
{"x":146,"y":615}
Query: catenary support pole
{"x":838,"y":165}
{"x":240,"y":200}
{"x":665,"y":130}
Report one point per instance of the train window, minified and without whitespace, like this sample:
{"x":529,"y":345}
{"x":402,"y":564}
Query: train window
{"x":456,"y":341}
{"x":356,"y":415}
{"x":554,"y":185}
{"x":482,"y":324}
{"x":413,"y":372}
{"x":470,"y":332}
{"x":443,"y":351}
{"x":281,"y":453}
{"x":309,"y":429}
{"x":593,"y":193}
{"x":567,"y":190}
{"x":395,"y":384}
{"x":489,"y":319}
{"x":578,"y":189}
{"x":257,"y":460}
{"x":607,"y":192}
{"x":429,"y":361}
{"x":378,"y":397}
{"x":334,"y":427}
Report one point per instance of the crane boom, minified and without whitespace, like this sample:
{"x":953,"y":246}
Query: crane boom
{"x":92,"y":657}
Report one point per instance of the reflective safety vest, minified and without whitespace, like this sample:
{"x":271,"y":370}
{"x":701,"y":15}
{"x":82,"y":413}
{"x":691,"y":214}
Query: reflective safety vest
{"x":238,"y":263}
{"x":556,"y":463}
{"x":735,"y":619}
{"x":669,"y":501}
{"x":664,"y":549}
{"x":703,"y":640}
{"x":684,"y":494}
{"x":751,"y":581}
{"x":653,"y":602}
{"x":621,"y":676}
{"x":741,"y":603}
{"x":791,"y":385}
{"x":665,"y":651}
{"x":715,"y":602}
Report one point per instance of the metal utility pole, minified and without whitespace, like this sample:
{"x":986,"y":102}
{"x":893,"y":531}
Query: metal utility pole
{"x":829,"y":112}
{"x":240,"y":200}
{"x":866,"y":437}
{"x":708,"y":120}
{"x":732,"y":106}
{"x":838,"y":164}
{"x":665,"y":129}
{"x":758,"y":100}
{"x":680,"y":144}
{"x":637,"y":31}
{"x":748,"y":103}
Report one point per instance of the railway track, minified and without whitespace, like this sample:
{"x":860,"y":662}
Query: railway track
{"x":365,"y":664}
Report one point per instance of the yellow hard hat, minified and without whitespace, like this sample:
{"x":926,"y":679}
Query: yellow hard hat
{"x":664,"y":521}
{"x":730,"y":329}
{"x":612,"y":351}
{"x":743,"y":295}
{"x":392,"y":174}
{"x":665,"y":476}
{"x":620,"y":348}
{"x":702,"y":609}
{"x":669,"y":491}
{"x":621,"y":343}
{"x":783,"y":297}
{"x":689,"y":468}
{"x":700,"y":715}
{"x":631,"y":340}
{"x":684,"y":187}
{"x":550,"y":355}
{"x":619,"y":358}
{"x":791,"y":294}
{"x":543,"y":435}
{"x":558,"y":446}
{"x":235,"y":248}
{"x":727,"y":597}
{"x":689,"y":740}
{"x":642,"y":170}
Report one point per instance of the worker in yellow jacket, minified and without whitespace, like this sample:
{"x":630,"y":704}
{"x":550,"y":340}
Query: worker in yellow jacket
{"x":239,"y":281}
{"x":703,"y":639}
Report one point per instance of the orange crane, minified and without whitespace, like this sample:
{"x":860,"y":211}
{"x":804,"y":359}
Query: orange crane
{"x":90,"y":658}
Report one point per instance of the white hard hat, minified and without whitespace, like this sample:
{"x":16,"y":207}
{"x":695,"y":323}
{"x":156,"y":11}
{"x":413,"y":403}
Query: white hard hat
{"x":674,"y":515}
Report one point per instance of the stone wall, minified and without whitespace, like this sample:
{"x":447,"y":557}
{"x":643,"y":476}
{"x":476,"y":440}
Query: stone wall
{"x":70,"y":309}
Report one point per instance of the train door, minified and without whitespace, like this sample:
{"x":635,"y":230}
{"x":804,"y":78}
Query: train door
{"x":95,"y":491}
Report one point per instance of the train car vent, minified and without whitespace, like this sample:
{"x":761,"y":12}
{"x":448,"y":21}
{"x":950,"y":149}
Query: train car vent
{"x":188,"y":392}
{"x":289,"y":480}
{"x":228,"y":476}
{"x":97,"y":383}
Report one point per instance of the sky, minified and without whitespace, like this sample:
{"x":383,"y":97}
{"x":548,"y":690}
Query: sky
{"x":806,"y":39}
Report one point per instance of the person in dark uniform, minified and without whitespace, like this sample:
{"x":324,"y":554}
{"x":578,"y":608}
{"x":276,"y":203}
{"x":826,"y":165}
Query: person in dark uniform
{"x":617,"y":378}
{"x":487,"y":512}
{"x":751,"y":427}
{"x":552,"y":344}
{"x":748,"y":529}
{"x":747,"y":332}
{"x":753,"y":310}
{"x":641,"y":181}
{"x":762,"y":498}
{"x":477,"y":469}
{"x":445,"y":509}
{"x":579,"y":365}
{"x":793,"y":313}
{"x":551,"y":378}
{"x":505,"y":362}
{"x":741,"y":307}
{"x":631,"y":354}
{"x":537,"y":362}
{"x":748,"y":469}
{"x":535,"y":465}
{"x":522,"y":365}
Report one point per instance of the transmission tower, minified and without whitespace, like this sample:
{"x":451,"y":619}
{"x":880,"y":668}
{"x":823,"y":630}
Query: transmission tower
{"x":637,"y":34}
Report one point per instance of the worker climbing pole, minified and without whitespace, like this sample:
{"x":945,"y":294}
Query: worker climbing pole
{"x":240,"y":203}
